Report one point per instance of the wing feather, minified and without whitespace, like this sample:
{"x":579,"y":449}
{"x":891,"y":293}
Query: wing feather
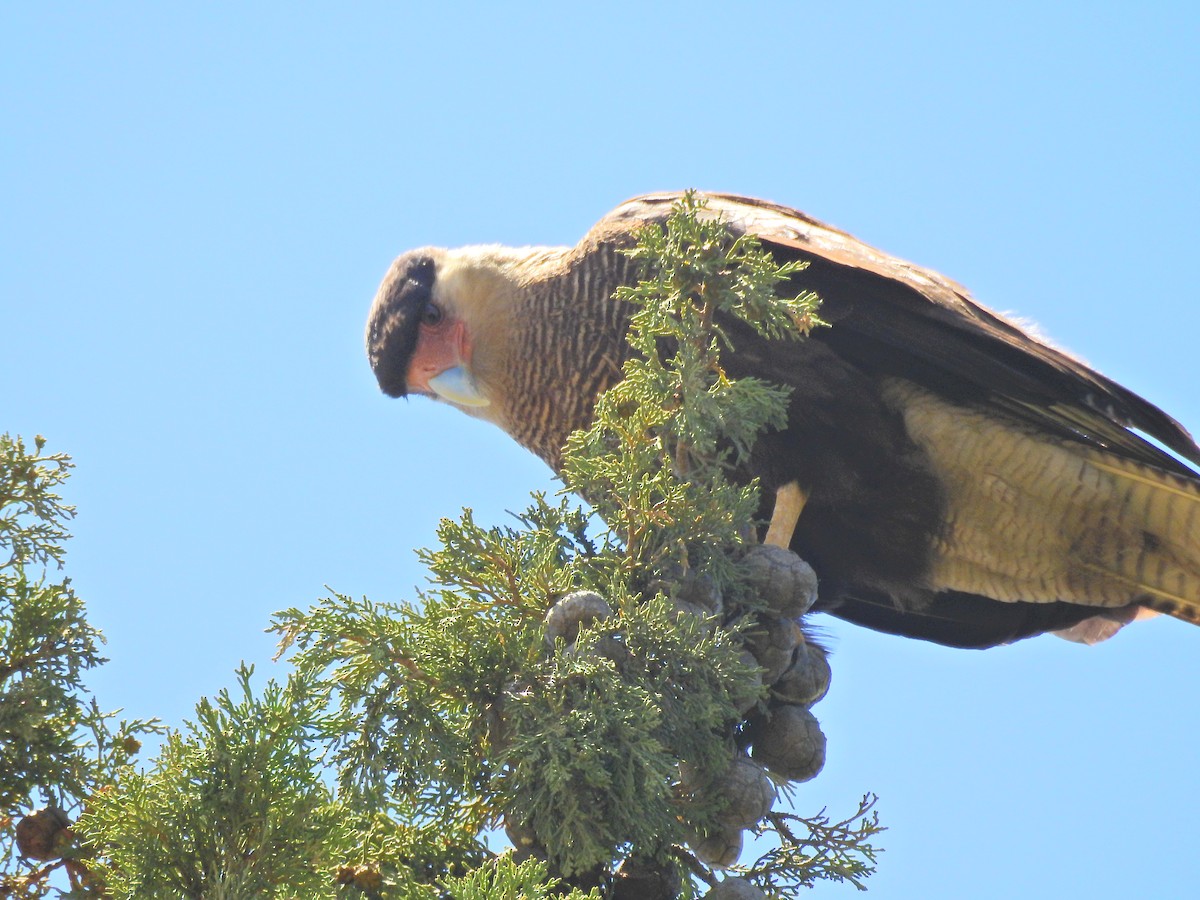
{"x":891,"y":317}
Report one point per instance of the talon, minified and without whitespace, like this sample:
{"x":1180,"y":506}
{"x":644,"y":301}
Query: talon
{"x":789,"y":501}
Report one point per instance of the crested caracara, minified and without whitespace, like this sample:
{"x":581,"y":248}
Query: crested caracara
{"x":956,"y":478}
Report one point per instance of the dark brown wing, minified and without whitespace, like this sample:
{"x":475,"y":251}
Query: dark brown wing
{"x":891,"y":317}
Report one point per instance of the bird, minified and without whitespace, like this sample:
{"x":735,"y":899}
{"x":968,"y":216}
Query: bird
{"x":949,"y":474}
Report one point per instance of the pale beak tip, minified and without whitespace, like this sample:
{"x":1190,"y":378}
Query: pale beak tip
{"x":457,"y":386}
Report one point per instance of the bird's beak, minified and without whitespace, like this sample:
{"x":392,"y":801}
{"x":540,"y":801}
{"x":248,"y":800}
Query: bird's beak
{"x":441,"y":365}
{"x":457,"y":386}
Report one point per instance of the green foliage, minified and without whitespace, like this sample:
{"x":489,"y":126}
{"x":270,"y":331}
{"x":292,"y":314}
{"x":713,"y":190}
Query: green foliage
{"x":597,"y":739}
{"x":693,"y":273}
{"x":504,"y":879}
{"x":233,"y":807}
{"x":47,"y":647}
{"x":455,"y":711}
{"x":45,"y":641}
{"x":56,"y":745}
{"x":416,"y":685}
{"x":817,"y":848}
{"x":31,"y":513}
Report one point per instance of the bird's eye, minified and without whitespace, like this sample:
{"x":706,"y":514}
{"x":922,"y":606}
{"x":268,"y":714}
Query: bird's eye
{"x":433,"y":314}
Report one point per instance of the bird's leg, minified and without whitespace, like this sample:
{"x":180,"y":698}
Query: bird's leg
{"x":789,"y":501}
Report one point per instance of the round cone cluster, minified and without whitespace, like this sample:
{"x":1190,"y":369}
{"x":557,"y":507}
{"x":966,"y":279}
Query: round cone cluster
{"x":785,"y":740}
{"x":782,"y":740}
{"x":571,"y":613}
{"x":42,"y":834}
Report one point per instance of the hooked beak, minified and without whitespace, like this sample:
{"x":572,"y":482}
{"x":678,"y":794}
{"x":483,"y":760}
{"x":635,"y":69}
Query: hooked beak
{"x":457,"y":386}
{"x":440,"y":365}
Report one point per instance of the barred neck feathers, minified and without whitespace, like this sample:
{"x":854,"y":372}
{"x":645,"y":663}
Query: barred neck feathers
{"x":488,"y":288}
{"x":569,"y":346}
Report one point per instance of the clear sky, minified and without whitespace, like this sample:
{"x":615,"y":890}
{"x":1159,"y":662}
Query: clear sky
{"x":197,"y":203}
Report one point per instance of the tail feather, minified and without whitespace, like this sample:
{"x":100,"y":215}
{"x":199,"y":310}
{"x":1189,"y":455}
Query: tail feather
{"x":1037,"y":519}
{"x":1162,"y":566}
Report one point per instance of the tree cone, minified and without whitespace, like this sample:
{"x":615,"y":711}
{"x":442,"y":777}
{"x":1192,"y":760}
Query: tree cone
{"x":785,"y":582}
{"x":789,"y":742}
{"x":773,"y":643}
{"x":40,"y":835}
{"x":720,"y":849}
{"x":735,"y":889}
{"x":571,"y":613}
{"x":749,"y":791}
{"x":806,"y":680}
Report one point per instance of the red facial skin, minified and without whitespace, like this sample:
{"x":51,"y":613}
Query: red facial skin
{"x":441,"y":345}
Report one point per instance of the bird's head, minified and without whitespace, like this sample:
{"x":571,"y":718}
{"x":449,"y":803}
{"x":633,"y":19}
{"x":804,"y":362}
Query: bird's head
{"x":446,"y":324}
{"x":523,"y":337}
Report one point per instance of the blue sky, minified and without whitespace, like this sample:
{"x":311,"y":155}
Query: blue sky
{"x":197,"y":203}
